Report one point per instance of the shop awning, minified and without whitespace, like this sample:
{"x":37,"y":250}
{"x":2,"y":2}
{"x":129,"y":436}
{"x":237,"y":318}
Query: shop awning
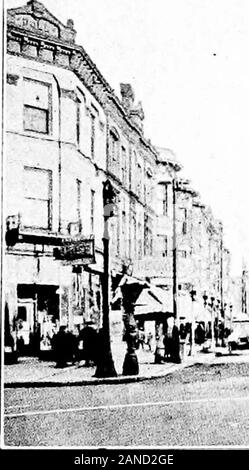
{"x":239,"y":317}
{"x":153,"y":300}
{"x":188,"y":309}
{"x":126,"y":280}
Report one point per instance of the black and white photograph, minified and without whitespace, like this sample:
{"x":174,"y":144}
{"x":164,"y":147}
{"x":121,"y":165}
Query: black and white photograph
{"x":125,"y":228}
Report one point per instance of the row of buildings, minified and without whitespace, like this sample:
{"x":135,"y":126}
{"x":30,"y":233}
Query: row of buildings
{"x":67,"y":133}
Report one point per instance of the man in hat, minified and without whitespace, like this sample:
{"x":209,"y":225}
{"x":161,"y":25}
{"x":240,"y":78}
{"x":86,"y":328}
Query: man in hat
{"x":89,"y":337}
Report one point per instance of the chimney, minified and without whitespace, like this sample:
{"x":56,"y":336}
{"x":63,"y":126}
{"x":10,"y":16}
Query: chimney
{"x":127,"y":95}
{"x":137,"y":115}
{"x":136,"y":112}
{"x":70,"y":23}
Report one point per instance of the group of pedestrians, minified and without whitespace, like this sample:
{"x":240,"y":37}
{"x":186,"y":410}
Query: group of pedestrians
{"x":74,"y":347}
{"x":86,"y":344}
{"x":166,"y":346}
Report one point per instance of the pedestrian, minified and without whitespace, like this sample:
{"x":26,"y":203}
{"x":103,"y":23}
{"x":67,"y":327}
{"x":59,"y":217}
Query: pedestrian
{"x":200,"y":334}
{"x":130,"y":365}
{"x":100,"y":345}
{"x":168,"y":339}
{"x":141,"y":338}
{"x":175,"y":352}
{"x":188,"y":339}
{"x":89,"y":337}
{"x":60,"y":346}
{"x":149,"y":340}
{"x":160,"y":349}
{"x":182,"y":331}
{"x":73,"y":351}
{"x":222,"y":334}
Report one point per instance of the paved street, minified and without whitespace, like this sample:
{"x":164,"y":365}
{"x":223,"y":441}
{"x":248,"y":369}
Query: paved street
{"x":203,"y":405}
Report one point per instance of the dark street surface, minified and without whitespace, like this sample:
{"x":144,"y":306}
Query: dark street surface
{"x":204,"y":405}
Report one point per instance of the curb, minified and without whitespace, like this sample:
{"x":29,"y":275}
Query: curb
{"x":98,"y":381}
{"x":121,"y":379}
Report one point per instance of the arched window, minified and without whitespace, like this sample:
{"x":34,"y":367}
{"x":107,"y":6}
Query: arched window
{"x":114,"y":150}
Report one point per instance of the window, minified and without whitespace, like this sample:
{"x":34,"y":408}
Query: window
{"x":118,"y":232}
{"x":37,"y":106}
{"x":162,"y":246}
{"x":139,"y":180}
{"x":184,"y":225}
{"x":148,"y":188}
{"x":148,"y":242}
{"x":124,"y":165}
{"x":133,"y":235}
{"x":35,"y":119}
{"x":78,"y":121}
{"x":114,"y":147}
{"x":183,"y":218}
{"x":124,"y":231}
{"x":22,"y":313}
{"x":93,"y":134}
{"x":78,"y":190}
{"x":140,"y":245}
{"x":165,"y":200}
{"x":37,"y":209}
{"x":133,"y":170}
{"x":92,"y":210}
{"x":113,"y":235}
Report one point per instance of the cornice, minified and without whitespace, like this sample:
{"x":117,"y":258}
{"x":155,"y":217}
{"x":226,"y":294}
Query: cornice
{"x":12,"y":79}
{"x":83,"y":66}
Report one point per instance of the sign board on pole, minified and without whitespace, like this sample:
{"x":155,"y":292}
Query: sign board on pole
{"x":81,"y":249}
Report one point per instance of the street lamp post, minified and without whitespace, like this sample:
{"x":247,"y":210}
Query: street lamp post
{"x":212,"y":299}
{"x":177,"y":186}
{"x":193,"y":298}
{"x":222,"y":313}
{"x":174,"y":243}
{"x":105,"y":366}
{"x":231,"y":316}
{"x":218,"y":309}
{"x":224,"y":334}
{"x":130,"y":294}
{"x":205,"y":299}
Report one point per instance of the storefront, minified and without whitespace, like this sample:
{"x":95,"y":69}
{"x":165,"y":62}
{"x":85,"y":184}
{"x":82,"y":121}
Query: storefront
{"x":42,"y":293}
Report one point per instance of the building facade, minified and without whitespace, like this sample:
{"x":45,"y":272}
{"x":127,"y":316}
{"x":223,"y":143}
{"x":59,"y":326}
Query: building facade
{"x":67,"y":133}
{"x":202,"y":262}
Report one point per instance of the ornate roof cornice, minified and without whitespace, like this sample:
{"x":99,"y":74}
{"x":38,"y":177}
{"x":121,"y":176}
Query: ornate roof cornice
{"x":34,"y":25}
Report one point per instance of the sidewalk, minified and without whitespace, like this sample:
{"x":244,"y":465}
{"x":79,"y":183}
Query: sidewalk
{"x":31,"y":372}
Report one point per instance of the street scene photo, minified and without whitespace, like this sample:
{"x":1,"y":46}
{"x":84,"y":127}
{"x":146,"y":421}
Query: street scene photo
{"x":125,"y":273}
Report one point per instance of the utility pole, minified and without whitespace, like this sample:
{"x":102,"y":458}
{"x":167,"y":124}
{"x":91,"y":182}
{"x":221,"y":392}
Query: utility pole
{"x":193,"y":299}
{"x":221,"y":272}
{"x":174,"y":243}
{"x":212,"y":299}
{"x":105,"y":366}
{"x":221,"y":285}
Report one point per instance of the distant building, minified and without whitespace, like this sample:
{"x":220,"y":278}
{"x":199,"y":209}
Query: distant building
{"x":67,"y":133}
{"x":202,"y":262}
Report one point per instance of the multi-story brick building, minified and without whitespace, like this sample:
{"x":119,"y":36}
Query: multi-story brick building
{"x":66,"y":133}
{"x":202,"y":261}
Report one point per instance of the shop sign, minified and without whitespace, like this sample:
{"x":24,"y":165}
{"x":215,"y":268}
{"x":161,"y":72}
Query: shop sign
{"x":80,"y":250}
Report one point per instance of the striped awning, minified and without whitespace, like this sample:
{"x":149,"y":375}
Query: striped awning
{"x":153,"y":300}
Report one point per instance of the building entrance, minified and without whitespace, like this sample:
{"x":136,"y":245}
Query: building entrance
{"x":26,"y":313}
{"x":37,"y":317}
